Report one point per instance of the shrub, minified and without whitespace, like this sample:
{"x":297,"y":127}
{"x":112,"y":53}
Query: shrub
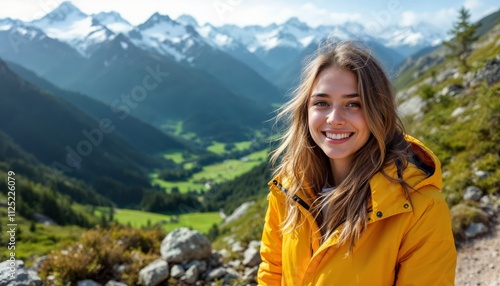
{"x":100,"y":253}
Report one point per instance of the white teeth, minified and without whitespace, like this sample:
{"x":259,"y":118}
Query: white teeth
{"x":337,"y":136}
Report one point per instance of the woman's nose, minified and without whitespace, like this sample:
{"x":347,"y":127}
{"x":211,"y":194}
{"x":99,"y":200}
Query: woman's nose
{"x":336,"y":116}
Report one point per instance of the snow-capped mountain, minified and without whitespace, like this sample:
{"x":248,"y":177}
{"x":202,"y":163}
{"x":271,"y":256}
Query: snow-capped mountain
{"x":114,"y":22}
{"x":267,"y":50}
{"x":408,"y":40}
{"x":19,"y":31}
{"x":187,"y":20}
{"x":167,"y":37}
{"x":276,"y":44}
{"x":68,"y":24}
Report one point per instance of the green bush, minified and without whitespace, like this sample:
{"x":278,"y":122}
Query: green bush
{"x":426,"y":92}
{"x":97,"y":254}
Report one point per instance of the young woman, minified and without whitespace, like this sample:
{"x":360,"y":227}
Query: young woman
{"x":355,"y":200}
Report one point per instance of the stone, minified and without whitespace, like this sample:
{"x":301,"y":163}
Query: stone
{"x":251,"y":257}
{"x":200,"y":265}
{"x":250,"y":274}
{"x":183,"y":244}
{"x":473,"y":193}
{"x":475,"y":229}
{"x":238,"y":212}
{"x":452,"y":90}
{"x":216,"y":273}
{"x":154,"y":273}
{"x":15,"y":273}
{"x":481,"y":174}
{"x":115,"y":283}
{"x":177,"y":271}
{"x":87,"y":282}
{"x":191,"y":275}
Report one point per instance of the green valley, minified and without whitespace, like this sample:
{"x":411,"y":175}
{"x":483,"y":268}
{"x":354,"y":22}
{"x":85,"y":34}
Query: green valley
{"x":211,"y":174}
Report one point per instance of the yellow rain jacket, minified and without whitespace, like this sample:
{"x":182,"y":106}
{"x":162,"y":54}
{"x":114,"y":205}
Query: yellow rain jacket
{"x":402,"y":245}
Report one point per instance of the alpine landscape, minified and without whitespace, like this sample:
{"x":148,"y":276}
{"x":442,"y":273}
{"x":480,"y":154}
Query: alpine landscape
{"x":119,"y":140}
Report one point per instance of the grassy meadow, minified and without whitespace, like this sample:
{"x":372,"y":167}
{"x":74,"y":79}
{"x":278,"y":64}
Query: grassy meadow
{"x":215,"y":173}
{"x":196,"y":220}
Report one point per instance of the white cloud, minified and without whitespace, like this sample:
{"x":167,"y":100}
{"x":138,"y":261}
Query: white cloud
{"x":442,"y":18}
{"x":409,"y":18}
{"x":316,"y":16}
{"x":472,"y":4}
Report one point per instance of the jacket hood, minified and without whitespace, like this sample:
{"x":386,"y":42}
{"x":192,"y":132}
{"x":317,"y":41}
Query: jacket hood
{"x":388,"y":197}
{"x":425,"y":160}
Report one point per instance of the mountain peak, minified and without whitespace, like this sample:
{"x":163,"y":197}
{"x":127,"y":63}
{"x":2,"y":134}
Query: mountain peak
{"x":294,"y":21}
{"x":157,"y":17}
{"x":113,"y":21}
{"x":110,"y":17}
{"x":64,"y":11}
{"x":187,"y":20}
{"x":157,"y":20}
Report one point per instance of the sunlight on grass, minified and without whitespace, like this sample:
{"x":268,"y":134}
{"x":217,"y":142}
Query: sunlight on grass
{"x":176,"y":157}
{"x":217,"y":148}
{"x":216,"y":173}
{"x":35,"y":239}
{"x":184,"y":186}
{"x":199,"y":221}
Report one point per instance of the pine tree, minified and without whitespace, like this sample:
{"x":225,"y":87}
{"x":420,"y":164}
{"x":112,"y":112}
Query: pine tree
{"x":464,"y":35}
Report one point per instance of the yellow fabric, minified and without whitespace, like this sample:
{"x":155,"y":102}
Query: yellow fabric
{"x":403,"y":245}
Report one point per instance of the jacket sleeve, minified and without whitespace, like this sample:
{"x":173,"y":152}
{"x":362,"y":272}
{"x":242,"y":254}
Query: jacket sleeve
{"x":427,"y":253}
{"x":270,"y":250}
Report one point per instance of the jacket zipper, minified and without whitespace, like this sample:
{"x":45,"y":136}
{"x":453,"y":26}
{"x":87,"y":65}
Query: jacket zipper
{"x":295,"y":197}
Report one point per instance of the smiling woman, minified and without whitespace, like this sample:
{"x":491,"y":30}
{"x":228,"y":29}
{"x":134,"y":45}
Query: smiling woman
{"x":355,"y":200}
{"x":336,"y":121}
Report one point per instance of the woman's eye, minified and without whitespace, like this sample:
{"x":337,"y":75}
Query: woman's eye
{"x":354,"y":104}
{"x":320,"y":103}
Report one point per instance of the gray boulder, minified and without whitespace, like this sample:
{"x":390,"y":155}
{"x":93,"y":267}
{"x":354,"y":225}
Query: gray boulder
{"x":191,"y":275}
{"x":155,"y":273}
{"x":216,"y":273}
{"x":177,"y":271}
{"x":115,"y":283}
{"x":87,"y":282}
{"x":475,"y":229}
{"x":251,"y":257}
{"x":183,"y":244}
{"x":473,"y":193}
{"x":237,"y":213}
{"x":15,"y":273}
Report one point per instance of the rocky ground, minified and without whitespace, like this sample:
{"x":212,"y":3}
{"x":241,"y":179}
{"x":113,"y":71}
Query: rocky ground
{"x":479,"y":261}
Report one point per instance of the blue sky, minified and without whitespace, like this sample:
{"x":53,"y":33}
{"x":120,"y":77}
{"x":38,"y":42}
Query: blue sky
{"x":262,"y":12}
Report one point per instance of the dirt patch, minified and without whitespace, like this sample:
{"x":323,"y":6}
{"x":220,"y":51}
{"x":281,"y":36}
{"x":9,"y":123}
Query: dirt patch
{"x":479,"y":261}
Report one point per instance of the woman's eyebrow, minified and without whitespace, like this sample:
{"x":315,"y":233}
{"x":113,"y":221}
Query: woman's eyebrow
{"x":324,"y":95}
{"x":351,"y":95}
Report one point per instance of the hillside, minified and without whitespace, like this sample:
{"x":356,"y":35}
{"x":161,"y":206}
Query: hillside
{"x":177,"y":93}
{"x":413,"y":68}
{"x":67,"y":140}
{"x":134,"y":131}
{"x":56,"y":126}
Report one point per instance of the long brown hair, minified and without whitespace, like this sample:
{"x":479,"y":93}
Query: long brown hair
{"x":304,"y":164}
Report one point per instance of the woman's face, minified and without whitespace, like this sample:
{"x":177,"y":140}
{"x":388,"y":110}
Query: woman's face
{"x":335,"y":116}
